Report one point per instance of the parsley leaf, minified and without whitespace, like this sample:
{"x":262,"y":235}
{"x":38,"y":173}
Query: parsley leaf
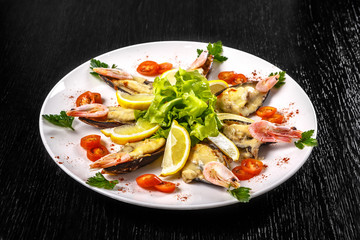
{"x":242,"y":193}
{"x":98,"y":64}
{"x":215,"y":49}
{"x":306,"y":140}
{"x":61,"y":120}
{"x":100,"y":181}
{"x":281,"y":78}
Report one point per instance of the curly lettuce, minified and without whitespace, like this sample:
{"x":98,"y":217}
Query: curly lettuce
{"x":189,"y":101}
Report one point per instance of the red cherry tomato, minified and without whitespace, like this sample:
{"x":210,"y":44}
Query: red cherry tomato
{"x":90,"y":141}
{"x":252,"y":166}
{"x":96,"y":153}
{"x":166,"y":187}
{"x":88,"y":98}
{"x":266,"y":111}
{"x":227,"y":76}
{"x":97,"y":98}
{"x":163,"y":67}
{"x":148,"y":180}
{"x":241,"y":174}
{"x":148,"y":68}
{"x":276,"y":118}
{"x":239,"y":78}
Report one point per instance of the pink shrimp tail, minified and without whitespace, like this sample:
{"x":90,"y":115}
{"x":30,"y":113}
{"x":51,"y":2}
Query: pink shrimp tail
{"x":110,"y":160}
{"x":268,"y":83}
{"x":265,"y":131}
{"x":113,"y":73}
{"x":200,"y":61}
{"x":89,"y":110}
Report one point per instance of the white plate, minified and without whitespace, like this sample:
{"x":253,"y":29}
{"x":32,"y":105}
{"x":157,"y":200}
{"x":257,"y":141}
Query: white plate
{"x":63,"y":144}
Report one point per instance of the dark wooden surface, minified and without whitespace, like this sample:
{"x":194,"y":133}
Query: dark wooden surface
{"x":316,"y":42}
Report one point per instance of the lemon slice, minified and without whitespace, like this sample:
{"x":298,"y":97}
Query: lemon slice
{"x":217,"y":85}
{"x":177,"y":150}
{"x":170,"y":75}
{"x":226,"y":146}
{"x":230,"y":116}
{"x":131,"y":133}
{"x":138,"y":101}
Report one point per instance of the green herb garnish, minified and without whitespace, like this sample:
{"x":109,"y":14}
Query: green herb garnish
{"x":306,"y":140}
{"x":281,"y":78}
{"x":242,"y":193}
{"x":100,"y":181}
{"x":215,"y":49}
{"x":61,"y":119}
{"x":98,"y":64}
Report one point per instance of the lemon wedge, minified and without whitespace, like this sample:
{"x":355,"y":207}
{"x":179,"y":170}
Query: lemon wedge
{"x":138,"y":101}
{"x":177,"y":150}
{"x":226,"y":146}
{"x":131,"y":133}
{"x":217,"y":85}
{"x":170,"y":75}
{"x":231,"y":116}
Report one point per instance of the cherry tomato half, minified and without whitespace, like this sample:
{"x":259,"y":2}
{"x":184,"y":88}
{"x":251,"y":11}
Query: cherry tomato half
{"x":276,"y":118}
{"x":241,"y":174}
{"x":88,"y":98}
{"x":95,"y":153}
{"x":163,"y":67}
{"x":252,"y":166}
{"x":166,"y":187}
{"x":227,"y":76}
{"x":266,"y":111}
{"x":239,"y":78}
{"x":148,"y":180}
{"x":90,"y":141}
{"x":148,"y":68}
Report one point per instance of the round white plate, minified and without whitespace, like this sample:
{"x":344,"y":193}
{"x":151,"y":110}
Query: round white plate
{"x":282,"y":160}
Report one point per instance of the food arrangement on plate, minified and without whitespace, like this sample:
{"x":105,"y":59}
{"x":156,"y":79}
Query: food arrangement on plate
{"x":200,"y":127}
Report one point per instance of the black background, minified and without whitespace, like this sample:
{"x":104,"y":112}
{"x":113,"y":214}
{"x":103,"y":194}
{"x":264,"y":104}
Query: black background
{"x":316,"y":42}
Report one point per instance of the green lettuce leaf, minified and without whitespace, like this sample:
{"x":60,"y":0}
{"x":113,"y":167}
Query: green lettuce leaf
{"x":189,"y":101}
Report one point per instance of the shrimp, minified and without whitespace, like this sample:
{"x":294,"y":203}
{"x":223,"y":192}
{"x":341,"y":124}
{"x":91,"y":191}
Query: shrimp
{"x":113,"y":73}
{"x":89,"y":110}
{"x":111,"y":159}
{"x":200,"y":61}
{"x":218,"y":174}
{"x":265,"y":131}
{"x":266,"y":84}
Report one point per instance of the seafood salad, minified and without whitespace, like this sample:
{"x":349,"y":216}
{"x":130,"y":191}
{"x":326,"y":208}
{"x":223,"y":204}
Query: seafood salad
{"x":199,"y":129}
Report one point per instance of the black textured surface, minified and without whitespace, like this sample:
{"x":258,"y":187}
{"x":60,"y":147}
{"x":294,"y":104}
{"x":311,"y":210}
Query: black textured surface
{"x":316,"y":42}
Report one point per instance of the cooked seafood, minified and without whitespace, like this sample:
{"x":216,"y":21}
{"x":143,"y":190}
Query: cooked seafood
{"x":245,"y":98}
{"x":265,"y":131}
{"x":200,"y":155}
{"x":100,"y":116}
{"x":93,"y":110}
{"x":203,"y":63}
{"x":116,"y":116}
{"x":268,"y":83}
{"x":248,"y":136}
{"x":217,"y":174}
{"x":238,"y":132}
{"x":123,"y":81}
{"x":113,"y":73}
{"x":131,"y":157}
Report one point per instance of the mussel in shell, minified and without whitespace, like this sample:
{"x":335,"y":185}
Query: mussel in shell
{"x":132,"y":156}
{"x":243,"y":99}
{"x":116,"y":116}
{"x":239,"y":133}
{"x":201,"y":154}
{"x":203,"y":63}
{"x":123,"y":81}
